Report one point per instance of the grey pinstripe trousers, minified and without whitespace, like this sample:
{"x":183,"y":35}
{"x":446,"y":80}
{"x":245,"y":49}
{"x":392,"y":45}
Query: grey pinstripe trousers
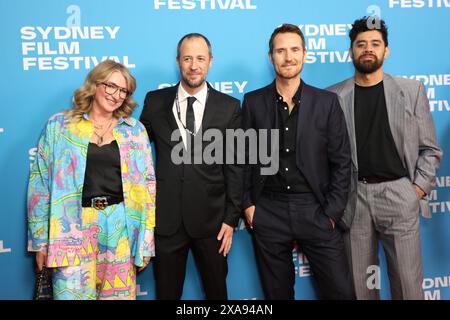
{"x":389,"y":212}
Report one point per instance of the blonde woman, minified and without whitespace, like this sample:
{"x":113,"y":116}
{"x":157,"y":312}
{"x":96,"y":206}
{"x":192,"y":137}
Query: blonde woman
{"x":91,"y":193}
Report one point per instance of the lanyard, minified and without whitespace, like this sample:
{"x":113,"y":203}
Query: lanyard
{"x":177,"y":104}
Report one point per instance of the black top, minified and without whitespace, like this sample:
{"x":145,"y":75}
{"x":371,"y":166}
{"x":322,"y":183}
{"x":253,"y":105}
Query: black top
{"x":103,"y":175}
{"x":289,"y":178}
{"x":377,"y":154}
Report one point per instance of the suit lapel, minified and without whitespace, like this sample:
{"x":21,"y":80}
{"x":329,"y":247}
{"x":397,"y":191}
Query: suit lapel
{"x":168,"y":107}
{"x":396,"y":112}
{"x":269,"y":115}
{"x":270,"y":112}
{"x":168,"y":111}
{"x":304,"y":123}
{"x":211,"y":104}
{"x":305,"y":105}
{"x":348,"y":107}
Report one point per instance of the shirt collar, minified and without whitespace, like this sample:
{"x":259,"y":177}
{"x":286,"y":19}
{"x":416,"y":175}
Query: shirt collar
{"x":296,"y":98}
{"x":129,"y":121}
{"x":200,"y":96}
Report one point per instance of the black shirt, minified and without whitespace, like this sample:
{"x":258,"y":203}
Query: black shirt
{"x":103,"y":174}
{"x":289,"y":178}
{"x":377,"y":154}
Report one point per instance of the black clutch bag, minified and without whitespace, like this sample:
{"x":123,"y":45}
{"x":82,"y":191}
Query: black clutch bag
{"x":43,"y":289}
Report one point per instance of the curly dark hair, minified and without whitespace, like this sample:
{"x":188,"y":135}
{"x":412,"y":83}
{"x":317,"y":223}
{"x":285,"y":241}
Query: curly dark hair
{"x":367,"y":24}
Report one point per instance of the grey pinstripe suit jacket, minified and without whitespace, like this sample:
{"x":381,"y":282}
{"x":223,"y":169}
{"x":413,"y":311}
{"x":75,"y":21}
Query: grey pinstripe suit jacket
{"x":413,"y":130}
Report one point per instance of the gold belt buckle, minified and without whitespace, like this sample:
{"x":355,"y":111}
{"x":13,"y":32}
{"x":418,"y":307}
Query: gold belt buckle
{"x":100,"y":203}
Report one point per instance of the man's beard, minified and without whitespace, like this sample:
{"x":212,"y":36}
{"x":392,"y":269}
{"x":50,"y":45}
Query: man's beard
{"x":288,"y":75}
{"x":368,"y":66}
{"x":193,"y":84}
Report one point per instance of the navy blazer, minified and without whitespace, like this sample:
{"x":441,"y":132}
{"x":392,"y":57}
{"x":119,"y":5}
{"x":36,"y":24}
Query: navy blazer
{"x":322,"y":150}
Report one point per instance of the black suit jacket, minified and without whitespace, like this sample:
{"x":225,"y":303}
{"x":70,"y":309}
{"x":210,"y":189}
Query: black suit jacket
{"x":201,"y":196}
{"x":322,"y":150}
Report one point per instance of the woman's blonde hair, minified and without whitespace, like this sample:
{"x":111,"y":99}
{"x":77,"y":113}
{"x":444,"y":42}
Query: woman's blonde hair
{"x":84,"y":96}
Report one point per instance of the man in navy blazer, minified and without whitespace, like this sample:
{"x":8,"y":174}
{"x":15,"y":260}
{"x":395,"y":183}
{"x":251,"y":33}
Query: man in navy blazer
{"x":302,"y":204}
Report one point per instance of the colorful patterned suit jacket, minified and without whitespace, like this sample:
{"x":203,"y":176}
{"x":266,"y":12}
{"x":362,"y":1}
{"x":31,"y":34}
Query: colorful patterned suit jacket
{"x":56,"y":184}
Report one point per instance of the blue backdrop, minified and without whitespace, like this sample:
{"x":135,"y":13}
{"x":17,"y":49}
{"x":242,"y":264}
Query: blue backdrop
{"x":48,"y":46}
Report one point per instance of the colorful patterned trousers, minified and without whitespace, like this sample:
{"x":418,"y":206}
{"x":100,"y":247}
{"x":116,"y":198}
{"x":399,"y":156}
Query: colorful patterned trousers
{"x":106,"y":269}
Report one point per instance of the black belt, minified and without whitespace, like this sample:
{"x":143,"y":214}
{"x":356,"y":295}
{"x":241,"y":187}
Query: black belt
{"x":100,"y":203}
{"x":375,"y":179}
